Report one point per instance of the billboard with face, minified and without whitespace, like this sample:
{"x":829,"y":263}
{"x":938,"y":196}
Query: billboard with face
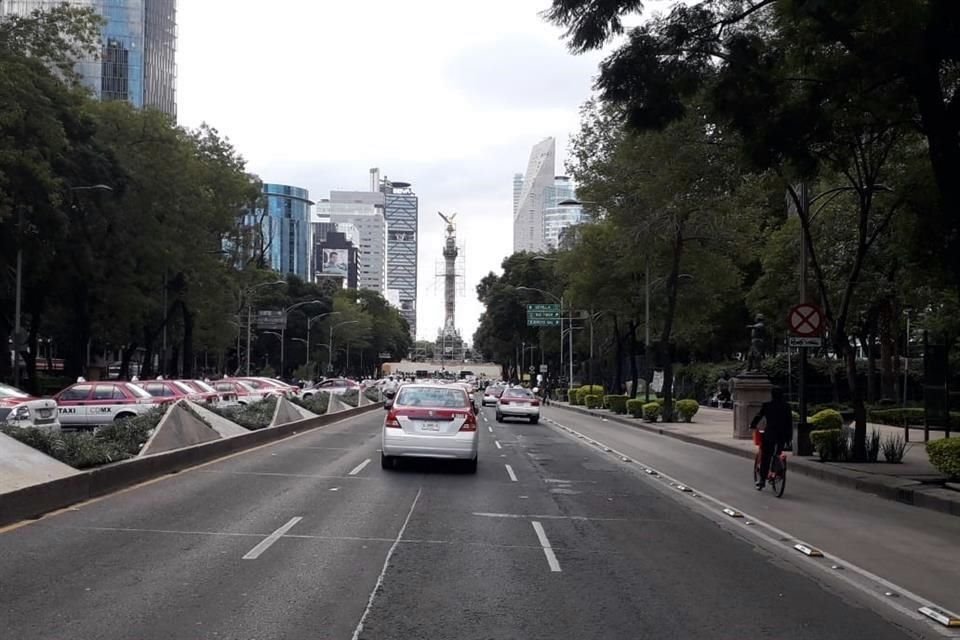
{"x":335,"y":261}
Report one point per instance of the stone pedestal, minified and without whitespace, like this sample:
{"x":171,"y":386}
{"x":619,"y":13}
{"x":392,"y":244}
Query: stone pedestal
{"x":750,"y":391}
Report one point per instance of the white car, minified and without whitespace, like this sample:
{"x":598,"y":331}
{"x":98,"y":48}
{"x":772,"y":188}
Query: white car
{"x":490,"y":395}
{"x":430,"y":421}
{"x":89,"y":404}
{"x":20,"y":409}
{"x":517,"y":402}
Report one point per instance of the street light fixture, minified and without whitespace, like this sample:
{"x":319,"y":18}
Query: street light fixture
{"x":310,"y":322}
{"x":330,"y":343}
{"x":248,"y":296}
{"x":283,"y":330}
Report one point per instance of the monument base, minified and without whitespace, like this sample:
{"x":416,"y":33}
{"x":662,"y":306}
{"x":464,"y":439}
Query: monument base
{"x":750,"y":391}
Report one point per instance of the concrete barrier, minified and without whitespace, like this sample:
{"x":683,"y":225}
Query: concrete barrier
{"x":22,"y":465}
{"x":177,"y":429}
{"x":336,"y":405}
{"x":35,"y":500}
{"x":285,"y":412}
{"x":226,"y":428}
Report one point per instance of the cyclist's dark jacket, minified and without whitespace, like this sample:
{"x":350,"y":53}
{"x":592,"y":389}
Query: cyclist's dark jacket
{"x":779,"y":422}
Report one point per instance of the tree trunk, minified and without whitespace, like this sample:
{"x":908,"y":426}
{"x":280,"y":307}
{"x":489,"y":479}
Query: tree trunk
{"x":868,"y":343}
{"x":618,"y":368}
{"x":634,"y":372}
{"x":664,"y":348}
{"x":189,"y":365}
{"x":887,"y":349}
{"x":125,"y":358}
{"x":859,"y":410}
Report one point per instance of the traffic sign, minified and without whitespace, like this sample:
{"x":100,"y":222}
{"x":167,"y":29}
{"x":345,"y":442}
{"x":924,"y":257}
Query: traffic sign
{"x":543,"y":368}
{"x":805,"y":341}
{"x":805,"y":320}
{"x":543,"y":322}
{"x":543,"y":315}
{"x":543,"y":307}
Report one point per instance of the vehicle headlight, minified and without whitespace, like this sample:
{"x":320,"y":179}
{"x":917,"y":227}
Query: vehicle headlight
{"x":20,"y":413}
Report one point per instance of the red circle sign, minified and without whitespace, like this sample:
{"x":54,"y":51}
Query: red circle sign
{"x":805,"y":320}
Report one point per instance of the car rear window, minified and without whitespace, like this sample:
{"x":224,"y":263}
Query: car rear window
{"x":183,"y":386}
{"x":200,"y":385}
{"x":517,"y":393}
{"x":136,"y":391}
{"x":432,"y":397}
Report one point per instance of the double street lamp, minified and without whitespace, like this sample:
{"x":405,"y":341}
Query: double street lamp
{"x":310,"y":322}
{"x":283,"y":330}
{"x":248,"y":298}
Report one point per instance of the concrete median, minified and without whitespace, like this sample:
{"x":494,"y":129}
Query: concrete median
{"x":35,"y":500}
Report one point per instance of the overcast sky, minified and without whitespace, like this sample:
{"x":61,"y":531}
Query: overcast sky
{"x":445,"y":94}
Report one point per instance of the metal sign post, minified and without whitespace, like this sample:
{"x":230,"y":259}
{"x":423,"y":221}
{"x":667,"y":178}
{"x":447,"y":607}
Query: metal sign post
{"x":806,"y":326}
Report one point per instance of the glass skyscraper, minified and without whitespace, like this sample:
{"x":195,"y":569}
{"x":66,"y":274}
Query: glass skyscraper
{"x":558,"y":217}
{"x":284,"y":229}
{"x":137,"y":54}
{"x":401,"y":209}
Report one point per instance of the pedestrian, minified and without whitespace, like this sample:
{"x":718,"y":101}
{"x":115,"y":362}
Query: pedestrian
{"x":777,"y":433}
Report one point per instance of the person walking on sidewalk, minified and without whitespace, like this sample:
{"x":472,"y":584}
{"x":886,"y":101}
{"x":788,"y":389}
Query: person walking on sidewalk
{"x":777,"y":433}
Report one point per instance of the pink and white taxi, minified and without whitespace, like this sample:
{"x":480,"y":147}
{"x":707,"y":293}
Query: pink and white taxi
{"x":20,"y":409}
{"x":88,"y":404}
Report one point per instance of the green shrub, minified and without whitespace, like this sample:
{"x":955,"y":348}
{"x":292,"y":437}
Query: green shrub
{"x":560,"y":395}
{"x":651,"y":411}
{"x":635,"y":408}
{"x":686,"y":409}
{"x":256,"y":415}
{"x":373,"y":394}
{"x":911,"y":416}
{"x":316,"y":403}
{"x":894,"y":447}
{"x":826,"y":420}
{"x":617,"y":404}
{"x":829,"y":444}
{"x":945,"y":456}
{"x":574,"y":396}
{"x":351,"y":397}
{"x":587,"y":389}
{"x":592,"y":401}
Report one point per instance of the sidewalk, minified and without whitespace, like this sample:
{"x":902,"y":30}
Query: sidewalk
{"x":914,"y":481}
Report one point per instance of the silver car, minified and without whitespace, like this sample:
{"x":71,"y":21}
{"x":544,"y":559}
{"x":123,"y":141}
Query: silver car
{"x":20,"y":409}
{"x":430,"y":421}
{"x":517,"y":402}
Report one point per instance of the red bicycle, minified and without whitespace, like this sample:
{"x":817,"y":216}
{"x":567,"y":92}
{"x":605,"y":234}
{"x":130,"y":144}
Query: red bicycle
{"x":777,"y":476}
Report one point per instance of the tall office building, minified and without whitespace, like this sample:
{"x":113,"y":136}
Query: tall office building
{"x":517,"y":190}
{"x":136,"y":61}
{"x":282,"y":229}
{"x":365,"y":212}
{"x":401,"y":210}
{"x":557,"y":217}
{"x":528,"y":217}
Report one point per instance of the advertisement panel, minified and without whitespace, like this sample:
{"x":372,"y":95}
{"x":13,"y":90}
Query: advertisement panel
{"x":335,"y":262}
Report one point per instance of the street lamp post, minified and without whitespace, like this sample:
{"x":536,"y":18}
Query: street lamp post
{"x":18,"y":338}
{"x":310,"y":321}
{"x":283,"y":328}
{"x":248,"y":294}
{"x":330,"y":342}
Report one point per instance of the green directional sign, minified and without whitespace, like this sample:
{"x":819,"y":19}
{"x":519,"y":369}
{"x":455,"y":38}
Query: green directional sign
{"x":543,"y":315}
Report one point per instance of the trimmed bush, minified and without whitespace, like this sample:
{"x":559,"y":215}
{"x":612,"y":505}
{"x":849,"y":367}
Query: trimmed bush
{"x":911,"y":416}
{"x":945,"y":456}
{"x":829,"y":444}
{"x":635,"y":408}
{"x":256,"y":415}
{"x":351,"y":397}
{"x":651,"y":411}
{"x":826,"y":420}
{"x":587,"y":389}
{"x":574,"y":395}
{"x":617,"y":404}
{"x":592,"y":401}
{"x":317,"y":402}
{"x":686,"y":409}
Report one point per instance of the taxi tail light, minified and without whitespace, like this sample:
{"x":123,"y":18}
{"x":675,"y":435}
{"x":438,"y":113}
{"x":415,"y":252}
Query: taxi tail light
{"x":470,"y":424}
{"x":535,"y":403}
{"x":503,"y":401}
{"x":391,"y":421}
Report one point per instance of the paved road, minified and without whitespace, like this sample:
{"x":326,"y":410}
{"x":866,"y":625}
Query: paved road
{"x":306,"y":539}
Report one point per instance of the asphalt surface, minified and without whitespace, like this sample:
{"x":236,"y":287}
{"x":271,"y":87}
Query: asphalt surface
{"x":299,"y":540}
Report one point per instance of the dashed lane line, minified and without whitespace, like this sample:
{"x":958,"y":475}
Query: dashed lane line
{"x":510,"y":473}
{"x":357,"y":469}
{"x":497,"y":442}
{"x":547,"y":549}
{"x":267,"y":542}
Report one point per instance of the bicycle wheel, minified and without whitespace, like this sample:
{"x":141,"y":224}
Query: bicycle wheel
{"x":780,"y":478}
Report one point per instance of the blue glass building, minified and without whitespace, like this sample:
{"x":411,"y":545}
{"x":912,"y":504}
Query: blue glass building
{"x":285,"y":229}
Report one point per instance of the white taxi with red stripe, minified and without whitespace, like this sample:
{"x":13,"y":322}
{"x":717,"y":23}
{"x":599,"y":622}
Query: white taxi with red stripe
{"x":269,"y":384}
{"x":430,"y":421}
{"x":88,"y":404}
{"x":244,"y":392}
{"x":517,"y":402}
{"x":20,"y":409}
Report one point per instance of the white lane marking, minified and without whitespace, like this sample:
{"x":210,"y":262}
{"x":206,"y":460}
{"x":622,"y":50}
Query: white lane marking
{"x":278,"y":475}
{"x":490,"y":429}
{"x":386,"y":564}
{"x":335,"y":489}
{"x":539,"y":516}
{"x":779,"y":540}
{"x":267,"y":542}
{"x":357,"y":469}
{"x":547,"y":549}
{"x":510,"y":472}
{"x":497,"y":442}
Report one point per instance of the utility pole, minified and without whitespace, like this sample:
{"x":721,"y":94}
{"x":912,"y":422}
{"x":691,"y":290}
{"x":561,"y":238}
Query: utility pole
{"x":646,"y":332}
{"x":803,"y":435}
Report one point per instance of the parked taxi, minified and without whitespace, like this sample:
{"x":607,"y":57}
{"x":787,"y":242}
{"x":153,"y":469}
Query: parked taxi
{"x":88,"y":404}
{"x":20,"y":409}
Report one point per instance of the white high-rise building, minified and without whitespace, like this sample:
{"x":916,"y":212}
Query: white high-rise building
{"x":517,"y":189}
{"x":371,"y":227}
{"x":528,"y":215}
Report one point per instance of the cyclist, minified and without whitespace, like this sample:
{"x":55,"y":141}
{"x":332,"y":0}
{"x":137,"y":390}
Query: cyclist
{"x":778,"y":432}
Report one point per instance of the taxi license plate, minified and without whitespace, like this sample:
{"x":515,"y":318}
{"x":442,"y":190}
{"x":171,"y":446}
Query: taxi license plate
{"x":429,"y":426}
{"x":46,"y":413}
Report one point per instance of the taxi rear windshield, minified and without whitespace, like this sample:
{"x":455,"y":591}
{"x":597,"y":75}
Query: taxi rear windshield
{"x":517,"y":393}
{"x":432,"y":397}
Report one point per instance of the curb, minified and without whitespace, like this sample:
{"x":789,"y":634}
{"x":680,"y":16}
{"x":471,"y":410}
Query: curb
{"x":34,"y":501}
{"x":905,"y":491}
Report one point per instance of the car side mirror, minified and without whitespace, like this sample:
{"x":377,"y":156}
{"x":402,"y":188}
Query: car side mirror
{"x":387,"y":405}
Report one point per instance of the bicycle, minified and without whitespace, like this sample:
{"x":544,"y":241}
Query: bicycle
{"x":778,"y":468}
